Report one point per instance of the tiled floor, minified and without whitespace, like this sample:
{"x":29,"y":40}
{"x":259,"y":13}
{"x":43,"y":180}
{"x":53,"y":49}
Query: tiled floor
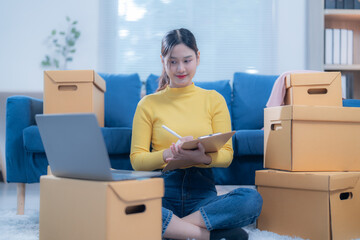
{"x":8,"y":196}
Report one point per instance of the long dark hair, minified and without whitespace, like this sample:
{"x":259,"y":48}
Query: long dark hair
{"x":169,"y":41}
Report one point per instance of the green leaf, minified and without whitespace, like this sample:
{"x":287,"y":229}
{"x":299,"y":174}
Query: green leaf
{"x":75,"y":22}
{"x":73,"y":30}
{"x":62,"y":33}
{"x":45,"y":63}
{"x":77,"y":35}
{"x":67,"y":19}
{"x":53,"y":32}
{"x":69,"y":59}
{"x":70,"y":43}
{"x":56,"y":62}
{"x":72,"y":51}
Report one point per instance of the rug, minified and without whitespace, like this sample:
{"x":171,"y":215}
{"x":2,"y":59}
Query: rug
{"x":26,"y":227}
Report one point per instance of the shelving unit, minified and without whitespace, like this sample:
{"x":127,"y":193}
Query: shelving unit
{"x":346,"y":19}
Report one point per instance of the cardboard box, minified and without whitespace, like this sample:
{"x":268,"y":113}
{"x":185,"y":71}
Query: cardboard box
{"x":80,"y":209}
{"x":314,"y":89}
{"x":74,"y":91}
{"x":311,"y":205}
{"x":310,"y":138}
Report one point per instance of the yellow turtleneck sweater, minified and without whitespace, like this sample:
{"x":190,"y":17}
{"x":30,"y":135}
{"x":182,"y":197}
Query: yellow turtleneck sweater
{"x":189,"y":111}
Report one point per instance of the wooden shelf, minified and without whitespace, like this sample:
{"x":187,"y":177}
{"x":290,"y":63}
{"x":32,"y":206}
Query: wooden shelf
{"x":342,"y":14}
{"x":354,"y":67}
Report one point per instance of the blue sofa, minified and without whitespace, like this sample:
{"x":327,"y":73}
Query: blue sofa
{"x":246,"y":99}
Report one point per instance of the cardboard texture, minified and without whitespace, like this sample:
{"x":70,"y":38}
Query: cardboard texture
{"x":312,"y":138}
{"x":74,"y":91}
{"x":320,"y":89}
{"x":316,"y":206}
{"x":80,"y":209}
{"x":211,"y":143}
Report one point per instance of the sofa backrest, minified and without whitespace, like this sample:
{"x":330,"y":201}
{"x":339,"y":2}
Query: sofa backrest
{"x":121,"y":98}
{"x":222,"y":86}
{"x":250,"y":95}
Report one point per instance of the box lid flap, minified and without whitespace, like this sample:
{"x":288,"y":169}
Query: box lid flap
{"x":310,"y":79}
{"x":343,"y":181}
{"x":320,"y":181}
{"x":99,"y":81}
{"x":138,"y":190}
{"x":76,"y":76}
{"x":313,"y":113}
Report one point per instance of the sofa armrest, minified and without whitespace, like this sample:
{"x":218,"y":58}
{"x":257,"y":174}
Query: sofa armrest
{"x":117,"y":140}
{"x":20,"y":114}
{"x":248,"y":142}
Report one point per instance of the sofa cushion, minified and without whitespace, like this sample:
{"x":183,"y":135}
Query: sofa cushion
{"x":121,"y":98}
{"x":351,"y":102}
{"x":151,"y":84}
{"x":222,"y":86}
{"x":117,"y":140}
{"x":248,"y":142}
{"x":250,"y":95}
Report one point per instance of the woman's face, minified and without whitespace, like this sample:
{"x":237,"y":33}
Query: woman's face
{"x":180,"y":65}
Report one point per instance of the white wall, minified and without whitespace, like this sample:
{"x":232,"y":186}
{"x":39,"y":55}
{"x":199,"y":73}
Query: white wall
{"x":291,"y":35}
{"x":25,"y":25}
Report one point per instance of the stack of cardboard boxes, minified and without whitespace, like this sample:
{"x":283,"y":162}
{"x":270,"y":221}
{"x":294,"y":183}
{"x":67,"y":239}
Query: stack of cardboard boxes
{"x":80,"y":209}
{"x":313,"y":145}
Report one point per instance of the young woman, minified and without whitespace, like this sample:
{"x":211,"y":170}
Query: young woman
{"x":191,"y":207}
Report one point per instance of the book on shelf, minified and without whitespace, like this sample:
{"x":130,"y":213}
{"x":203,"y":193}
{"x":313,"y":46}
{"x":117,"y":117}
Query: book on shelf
{"x":357,"y":4}
{"x":330,"y":4}
{"x":349,"y":4}
{"x":339,"y":4}
{"x":339,"y":46}
{"x":328,"y":46}
{"x":347,"y":80}
{"x":350,"y":46}
{"x":343,"y":46}
{"x":336,"y":46}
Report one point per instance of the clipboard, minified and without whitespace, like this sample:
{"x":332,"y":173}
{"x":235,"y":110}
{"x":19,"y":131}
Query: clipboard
{"x":211,"y":143}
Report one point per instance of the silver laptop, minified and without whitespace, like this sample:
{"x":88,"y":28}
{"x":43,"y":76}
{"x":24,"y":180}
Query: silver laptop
{"x":75,"y":148}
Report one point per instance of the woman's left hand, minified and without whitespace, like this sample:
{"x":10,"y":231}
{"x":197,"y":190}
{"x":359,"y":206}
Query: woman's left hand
{"x":190,"y":157}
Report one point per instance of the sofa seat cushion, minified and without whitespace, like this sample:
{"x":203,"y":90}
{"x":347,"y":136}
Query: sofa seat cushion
{"x":117,"y":140}
{"x":248,"y":142}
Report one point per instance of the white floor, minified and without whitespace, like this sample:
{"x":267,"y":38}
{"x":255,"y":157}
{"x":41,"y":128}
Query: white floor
{"x":8,"y":196}
{"x":23,"y":227}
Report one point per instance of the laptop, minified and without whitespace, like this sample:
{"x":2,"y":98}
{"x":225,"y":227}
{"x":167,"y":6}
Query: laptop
{"x":75,"y":148}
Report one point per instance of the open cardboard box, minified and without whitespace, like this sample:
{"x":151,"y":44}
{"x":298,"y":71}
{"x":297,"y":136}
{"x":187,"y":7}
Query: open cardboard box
{"x":311,"y":205}
{"x":319,"y":88}
{"x":74,"y":91}
{"x":81,"y":209}
{"x":312,"y":138}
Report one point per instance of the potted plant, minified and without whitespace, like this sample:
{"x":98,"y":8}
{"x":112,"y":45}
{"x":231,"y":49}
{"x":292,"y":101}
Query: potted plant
{"x":62,"y":45}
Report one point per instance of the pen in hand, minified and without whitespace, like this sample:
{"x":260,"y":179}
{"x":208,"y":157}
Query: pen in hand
{"x":171,"y":131}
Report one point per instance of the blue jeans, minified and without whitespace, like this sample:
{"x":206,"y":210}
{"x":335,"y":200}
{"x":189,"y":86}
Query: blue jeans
{"x":193,"y":189}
